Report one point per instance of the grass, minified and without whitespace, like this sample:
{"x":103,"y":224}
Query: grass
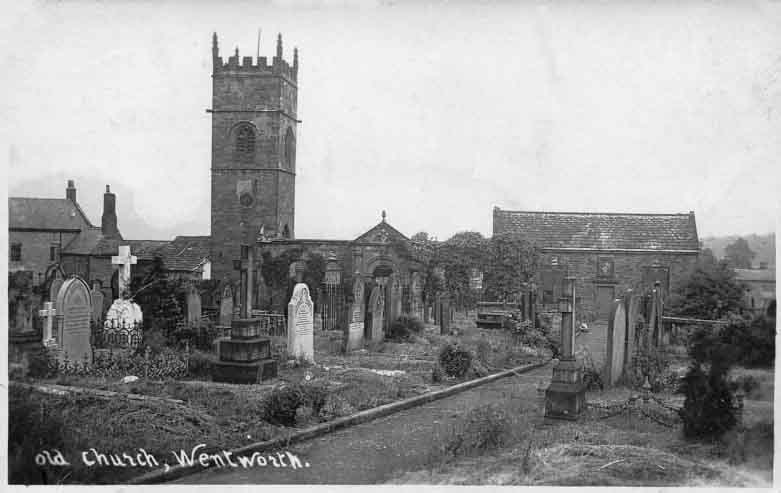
{"x":226,"y":416}
{"x":617,"y":451}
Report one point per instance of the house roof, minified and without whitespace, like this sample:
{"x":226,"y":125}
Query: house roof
{"x":601,"y":231}
{"x":766,"y":275}
{"x":184,"y":253}
{"x":382,"y":232}
{"x":91,"y":241}
{"x":145,"y":249}
{"x":47,"y":214}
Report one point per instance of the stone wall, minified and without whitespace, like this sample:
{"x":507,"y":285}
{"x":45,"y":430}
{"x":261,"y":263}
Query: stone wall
{"x":35,"y":250}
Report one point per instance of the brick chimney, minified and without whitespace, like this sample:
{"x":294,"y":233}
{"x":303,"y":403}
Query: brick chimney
{"x":70,"y":192}
{"x":108,"y":223}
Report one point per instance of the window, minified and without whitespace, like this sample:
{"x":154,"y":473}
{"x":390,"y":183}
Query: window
{"x":290,"y":149}
{"x":54,"y":253}
{"x":16,"y":252}
{"x":245,"y":143}
{"x":285,"y":232}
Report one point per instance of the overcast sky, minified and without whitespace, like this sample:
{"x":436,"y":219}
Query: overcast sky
{"x":433,"y":112}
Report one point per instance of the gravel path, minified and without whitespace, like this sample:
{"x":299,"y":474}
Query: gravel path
{"x":371,"y":452}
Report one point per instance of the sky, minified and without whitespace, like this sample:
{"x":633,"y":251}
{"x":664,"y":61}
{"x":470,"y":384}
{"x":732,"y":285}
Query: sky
{"x":434,"y":112}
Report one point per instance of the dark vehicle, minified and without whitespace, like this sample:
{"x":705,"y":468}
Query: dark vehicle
{"x":492,"y":315}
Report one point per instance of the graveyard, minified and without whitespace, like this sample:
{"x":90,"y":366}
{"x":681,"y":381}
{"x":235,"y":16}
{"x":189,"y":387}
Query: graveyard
{"x":562,"y":349}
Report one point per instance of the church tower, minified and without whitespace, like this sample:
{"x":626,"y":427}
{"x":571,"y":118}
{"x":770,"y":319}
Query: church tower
{"x":253,"y":167}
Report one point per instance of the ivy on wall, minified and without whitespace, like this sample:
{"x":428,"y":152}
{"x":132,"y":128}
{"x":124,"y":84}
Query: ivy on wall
{"x":276,"y":273}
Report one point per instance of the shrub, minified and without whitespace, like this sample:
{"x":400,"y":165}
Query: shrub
{"x":280,"y":406}
{"x":650,"y":362}
{"x":455,"y":361}
{"x":708,"y":409}
{"x":484,"y":428}
{"x":154,"y":339}
{"x":41,"y":364}
{"x":314,"y":395}
{"x":403,"y":328}
{"x":753,"y":340}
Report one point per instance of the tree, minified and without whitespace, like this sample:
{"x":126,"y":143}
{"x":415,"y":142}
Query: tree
{"x":512,"y":264}
{"x":709,"y":291}
{"x":422,"y":237}
{"x":457,"y":257}
{"x":738,"y":254}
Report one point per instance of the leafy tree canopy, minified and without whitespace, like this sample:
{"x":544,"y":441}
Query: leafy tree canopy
{"x":710,"y":291}
{"x":739,"y":255}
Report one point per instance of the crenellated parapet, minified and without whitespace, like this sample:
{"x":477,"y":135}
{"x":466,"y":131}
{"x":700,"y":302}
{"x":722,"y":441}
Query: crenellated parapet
{"x":261,"y":65}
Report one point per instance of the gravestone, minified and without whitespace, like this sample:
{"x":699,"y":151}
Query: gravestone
{"x":616,"y":339}
{"x":300,"y":328}
{"x":24,"y":341}
{"x":395,"y":298}
{"x":193,"y":301}
{"x":48,"y":313}
{"x":444,"y":316}
{"x":354,"y":336}
{"x":124,"y":260}
{"x":226,"y":306}
{"x":377,"y":314}
{"x":55,"y":285}
{"x":123,"y":314}
{"x":97,"y":301}
{"x":633,"y":314}
{"x":74,"y":310}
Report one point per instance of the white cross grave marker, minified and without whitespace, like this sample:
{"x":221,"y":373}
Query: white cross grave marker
{"x":124,"y":260}
{"x":49,"y":312}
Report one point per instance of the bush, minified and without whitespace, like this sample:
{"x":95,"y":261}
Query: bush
{"x":154,"y":339}
{"x":708,"y":409}
{"x":165,"y":364}
{"x":280,"y":406}
{"x":484,"y":428}
{"x":650,"y":362}
{"x":403,"y":328}
{"x":455,"y":361}
{"x":754,"y":341}
{"x":314,"y":395}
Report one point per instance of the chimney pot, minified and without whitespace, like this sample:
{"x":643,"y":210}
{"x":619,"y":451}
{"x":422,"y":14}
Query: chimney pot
{"x":70,"y":192}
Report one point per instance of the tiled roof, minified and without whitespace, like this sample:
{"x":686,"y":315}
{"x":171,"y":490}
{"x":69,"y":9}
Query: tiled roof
{"x":146,"y":249}
{"x":184,"y":253}
{"x":766,"y":275}
{"x":52,"y":214}
{"x":601,"y":231}
{"x":92,"y":242}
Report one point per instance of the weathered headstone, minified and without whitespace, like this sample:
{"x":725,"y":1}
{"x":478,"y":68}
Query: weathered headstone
{"x":633,"y":309}
{"x":55,"y":285}
{"x":74,"y":309}
{"x":300,"y":329}
{"x":616,"y":338}
{"x":354,"y":336}
{"x":193,"y":301}
{"x":395,"y":301}
{"x":417,"y":296}
{"x":226,"y":306}
{"x":124,"y":260}
{"x":97,"y":301}
{"x":377,"y":313}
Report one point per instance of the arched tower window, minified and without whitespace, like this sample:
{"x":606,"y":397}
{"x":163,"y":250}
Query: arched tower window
{"x":290,"y":149}
{"x":245,"y":143}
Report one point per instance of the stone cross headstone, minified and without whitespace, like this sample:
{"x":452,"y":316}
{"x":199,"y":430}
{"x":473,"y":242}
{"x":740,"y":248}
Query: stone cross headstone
{"x":300,"y":328}
{"x":97,"y":302}
{"x":616,"y":338}
{"x":124,"y":260}
{"x":48,"y":313}
{"x":226,"y":306}
{"x":354,"y":336}
{"x":377,"y":310}
{"x":193,"y":301}
{"x":74,"y":309}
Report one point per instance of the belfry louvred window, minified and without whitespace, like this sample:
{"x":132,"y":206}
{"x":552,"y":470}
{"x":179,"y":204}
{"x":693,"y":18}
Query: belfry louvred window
{"x":245,"y":143}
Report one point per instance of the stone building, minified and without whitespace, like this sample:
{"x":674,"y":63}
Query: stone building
{"x":608,"y":253}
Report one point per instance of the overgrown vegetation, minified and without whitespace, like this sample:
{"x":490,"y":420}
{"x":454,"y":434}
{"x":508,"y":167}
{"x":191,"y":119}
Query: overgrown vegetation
{"x":455,"y":360}
{"x":404,"y":327}
{"x":482,"y":430}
